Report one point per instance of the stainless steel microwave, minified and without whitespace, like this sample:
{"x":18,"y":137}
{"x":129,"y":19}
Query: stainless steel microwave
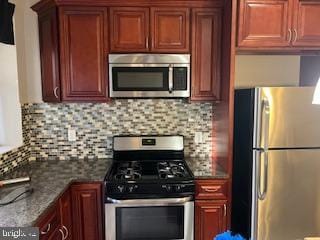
{"x":149,"y":75}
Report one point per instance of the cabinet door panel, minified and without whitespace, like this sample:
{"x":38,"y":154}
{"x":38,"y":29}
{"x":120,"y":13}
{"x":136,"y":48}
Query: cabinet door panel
{"x":170,"y":29}
{"x":66,"y":214}
{"x":210,"y":219}
{"x":129,"y":29}
{"x":87,"y":211}
{"x":264,"y":23}
{"x":206,"y":54}
{"x":306,"y":25}
{"x":49,"y":53}
{"x":83,"y":54}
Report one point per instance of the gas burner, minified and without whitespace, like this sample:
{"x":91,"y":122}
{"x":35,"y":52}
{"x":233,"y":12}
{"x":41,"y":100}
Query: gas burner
{"x":128,"y":171}
{"x":132,"y":166}
{"x":127,"y":175}
{"x":168,"y":170}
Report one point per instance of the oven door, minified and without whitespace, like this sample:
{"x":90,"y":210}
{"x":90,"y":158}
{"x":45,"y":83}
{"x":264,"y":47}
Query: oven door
{"x":149,"y":80}
{"x":150,"y":219}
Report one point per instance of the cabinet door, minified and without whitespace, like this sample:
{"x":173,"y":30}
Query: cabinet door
{"x":49,"y":224}
{"x":170,"y":30}
{"x":83,"y":54}
{"x":49,"y":54}
{"x":210,"y":219}
{"x":87,"y":211}
{"x":206,"y":54}
{"x":129,"y":29}
{"x":66,"y":215}
{"x":306,"y":23}
{"x":265,"y":23}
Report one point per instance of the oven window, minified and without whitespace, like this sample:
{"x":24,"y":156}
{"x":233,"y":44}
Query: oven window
{"x":140,"y":78}
{"x":152,"y":223}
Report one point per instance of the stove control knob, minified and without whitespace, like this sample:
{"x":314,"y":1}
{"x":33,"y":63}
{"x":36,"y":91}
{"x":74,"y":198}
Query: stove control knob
{"x":132,"y":188}
{"x":121,"y":188}
{"x":178,"y":188}
{"x":166,"y":187}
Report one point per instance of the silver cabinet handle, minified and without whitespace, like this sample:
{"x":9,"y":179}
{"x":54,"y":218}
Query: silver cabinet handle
{"x":225,"y":209}
{"x":147,"y":42}
{"x":55,"y":92}
{"x":47,"y":230}
{"x":62,"y":234}
{"x":170,"y":78}
{"x":212,"y":190}
{"x":66,"y":230}
{"x":295,"y":35}
{"x":290,"y":35}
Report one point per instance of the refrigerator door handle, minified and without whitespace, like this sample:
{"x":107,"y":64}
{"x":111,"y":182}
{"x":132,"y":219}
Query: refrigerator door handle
{"x":262,"y":192}
{"x":266,"y":122}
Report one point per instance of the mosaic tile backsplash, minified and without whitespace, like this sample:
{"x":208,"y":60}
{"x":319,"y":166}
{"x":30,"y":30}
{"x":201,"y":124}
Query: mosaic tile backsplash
{"x":45,"y":127}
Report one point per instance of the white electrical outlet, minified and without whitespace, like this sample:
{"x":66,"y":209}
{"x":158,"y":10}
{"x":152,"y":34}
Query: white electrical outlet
{"x":198,"y":138}
{"x":72,"y":135}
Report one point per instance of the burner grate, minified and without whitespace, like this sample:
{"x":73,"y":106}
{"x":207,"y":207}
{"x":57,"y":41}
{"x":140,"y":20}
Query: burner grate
{"x":169,"y":170}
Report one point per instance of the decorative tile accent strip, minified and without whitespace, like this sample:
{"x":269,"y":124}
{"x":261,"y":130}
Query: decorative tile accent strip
{"x":95,"y":124}
{"x":45,"y":128}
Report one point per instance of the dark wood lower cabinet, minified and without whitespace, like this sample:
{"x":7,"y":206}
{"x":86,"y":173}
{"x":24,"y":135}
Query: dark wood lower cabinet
{"x":211,"y":208}
{"x":210,"y":219}
{"x":77,"y":215}
{"x":87,"y":211}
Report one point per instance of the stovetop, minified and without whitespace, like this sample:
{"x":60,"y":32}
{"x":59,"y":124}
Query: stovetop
{"x":148,"y":167}
{"x":149,"y":171}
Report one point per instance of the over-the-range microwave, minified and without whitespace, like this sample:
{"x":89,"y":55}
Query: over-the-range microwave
{"x":149,"y":75}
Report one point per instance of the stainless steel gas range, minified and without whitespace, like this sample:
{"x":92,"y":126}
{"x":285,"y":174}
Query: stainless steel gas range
{"x":149,"y":190}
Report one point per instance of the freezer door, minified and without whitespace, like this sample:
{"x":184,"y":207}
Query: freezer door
{"x":293,"y":119}
{"x":290,"y":208}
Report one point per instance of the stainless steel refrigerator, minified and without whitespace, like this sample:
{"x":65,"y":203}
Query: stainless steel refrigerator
{"x":276,"y":166}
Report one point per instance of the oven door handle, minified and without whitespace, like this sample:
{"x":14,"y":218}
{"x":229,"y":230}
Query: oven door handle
{"x":151,"y":201}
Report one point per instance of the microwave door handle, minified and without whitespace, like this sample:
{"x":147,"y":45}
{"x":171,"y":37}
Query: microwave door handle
{"x":170,"y":78}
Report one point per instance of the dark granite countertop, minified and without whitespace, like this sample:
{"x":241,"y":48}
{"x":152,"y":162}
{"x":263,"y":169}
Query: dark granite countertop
{"x":204,"y":168}
{"x":49,"y":179}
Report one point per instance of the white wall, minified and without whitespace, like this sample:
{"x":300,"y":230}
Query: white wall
{"x":27,"y":40}
{"x":10,"y":110}
{"x":260,"y":71}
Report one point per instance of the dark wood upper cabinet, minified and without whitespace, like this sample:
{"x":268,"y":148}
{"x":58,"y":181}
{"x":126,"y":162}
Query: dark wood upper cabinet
{"x":170,"y":29}
{"x":83,"y":53}
{"x":87,"y":211}
{"x":206,"y":54}
{"x":49,"y":52}
{"x":129,"y":29}
{"x":306,"y":23}
{"x":279,"y":24}
{"x":140,"y":29}
{"x":210,"y":219}
{"x":264,"y":23}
